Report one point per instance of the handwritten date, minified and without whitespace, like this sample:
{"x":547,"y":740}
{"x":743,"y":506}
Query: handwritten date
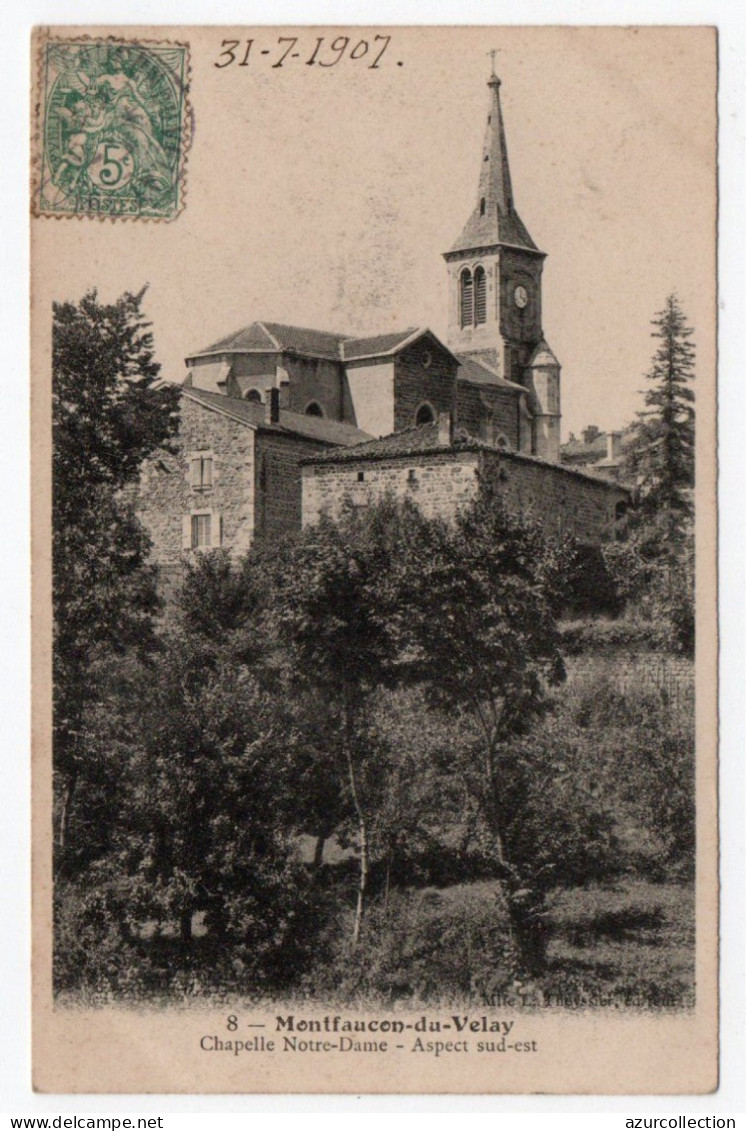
{"x":243,"y":53}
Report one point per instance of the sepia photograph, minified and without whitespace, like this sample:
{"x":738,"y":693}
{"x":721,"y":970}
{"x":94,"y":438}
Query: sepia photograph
{"x":374,"y":409}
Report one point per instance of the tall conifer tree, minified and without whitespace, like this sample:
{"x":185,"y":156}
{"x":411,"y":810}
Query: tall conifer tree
{"x":662,"y":453}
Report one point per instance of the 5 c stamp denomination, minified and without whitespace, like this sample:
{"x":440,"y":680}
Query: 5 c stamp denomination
{"x":112,"y":129}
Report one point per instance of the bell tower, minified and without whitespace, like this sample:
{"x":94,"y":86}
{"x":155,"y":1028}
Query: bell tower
{"x":495,"y":285}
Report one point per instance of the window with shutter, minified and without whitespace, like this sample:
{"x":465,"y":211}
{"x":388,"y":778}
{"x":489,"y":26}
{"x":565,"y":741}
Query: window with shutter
{"x":481,"y":296}
{"x":201,"y":472}
{"x":465,"y":298}
{"x":201,"y":530}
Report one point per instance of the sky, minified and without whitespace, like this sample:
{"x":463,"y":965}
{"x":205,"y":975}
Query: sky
{"x":325,"y":197}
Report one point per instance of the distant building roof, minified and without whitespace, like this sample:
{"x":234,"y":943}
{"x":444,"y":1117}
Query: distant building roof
{"x":593,"y":449}
{"x":253,"y":415}
{"x":581,"y":449}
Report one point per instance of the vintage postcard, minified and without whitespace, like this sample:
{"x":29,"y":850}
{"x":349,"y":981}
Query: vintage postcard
{"x":375,"y":660}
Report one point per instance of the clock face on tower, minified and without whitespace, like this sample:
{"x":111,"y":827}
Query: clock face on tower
{"x":521,"y":298}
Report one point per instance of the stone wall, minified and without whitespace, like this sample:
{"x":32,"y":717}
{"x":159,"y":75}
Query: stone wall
{"x":440,"y":483}
{"x":562,"y":501}
{"x":167,"y":497}
{"x":670,"y":676}
{"x":482,"y":409}
{"x":314,"y":379}
{"x":417,"y":383}
{"x":278,"y":481}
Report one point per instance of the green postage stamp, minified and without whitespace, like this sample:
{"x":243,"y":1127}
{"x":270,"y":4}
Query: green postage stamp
{"x":112,"y":129}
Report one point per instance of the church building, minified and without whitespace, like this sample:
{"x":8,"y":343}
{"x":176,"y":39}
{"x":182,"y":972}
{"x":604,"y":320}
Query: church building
{"x":280,"y":423}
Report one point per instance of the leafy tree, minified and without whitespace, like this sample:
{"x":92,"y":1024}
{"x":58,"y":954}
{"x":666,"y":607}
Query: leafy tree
{"x":108,"y":414}
{"x":334,"y":612}
{"x":662,"y":447}
{"x":484,"y":641}
{"x":203,"y":787}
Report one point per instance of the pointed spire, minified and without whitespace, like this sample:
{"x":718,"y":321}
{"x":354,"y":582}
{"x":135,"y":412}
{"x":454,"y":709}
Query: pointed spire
{"x":495,"y":176}
{"x":494,"y":219}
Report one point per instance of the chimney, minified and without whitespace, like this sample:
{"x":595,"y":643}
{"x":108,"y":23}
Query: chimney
{"x":272,"y":406}
{"x":444,"y":429}
{"x":613,"y":446}
{"x":590,"y":433}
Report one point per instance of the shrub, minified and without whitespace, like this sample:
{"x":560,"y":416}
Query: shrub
{"x":424,"y":946}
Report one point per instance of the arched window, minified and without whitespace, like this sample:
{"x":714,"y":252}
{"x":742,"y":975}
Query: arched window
{"x":424,"y":415}
{"x":465,"y":298}
{"x":254,"y":395}
{"x":501,"y":442}
{"x":481,"y":297}
{"x":313,"y":408}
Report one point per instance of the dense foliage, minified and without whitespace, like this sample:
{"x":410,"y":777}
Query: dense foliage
{"x":381,"y":691}
{"x":108,"y":414}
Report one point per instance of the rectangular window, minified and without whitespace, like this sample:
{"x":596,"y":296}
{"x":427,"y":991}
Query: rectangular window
{"x":201,"y":534}
{"x":202,"y":473}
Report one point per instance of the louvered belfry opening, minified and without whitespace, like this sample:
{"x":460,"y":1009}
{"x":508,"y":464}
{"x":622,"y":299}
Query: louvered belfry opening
{"x":466,"y":298}
{"x":473,"y":297}
{"x":481,"y":298}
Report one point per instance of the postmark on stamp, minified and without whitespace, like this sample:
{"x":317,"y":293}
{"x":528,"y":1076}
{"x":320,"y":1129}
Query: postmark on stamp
{"x":112,"y":129}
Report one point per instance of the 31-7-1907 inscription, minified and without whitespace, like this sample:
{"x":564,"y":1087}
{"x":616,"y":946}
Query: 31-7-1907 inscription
{"x":436,"y":1037}
{"x":326,"y":51}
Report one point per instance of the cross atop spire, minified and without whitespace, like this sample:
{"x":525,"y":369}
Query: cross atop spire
{"x":494,"y":219}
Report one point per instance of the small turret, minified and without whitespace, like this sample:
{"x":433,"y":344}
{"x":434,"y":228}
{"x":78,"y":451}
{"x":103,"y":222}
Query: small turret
{"x":543,"y":378}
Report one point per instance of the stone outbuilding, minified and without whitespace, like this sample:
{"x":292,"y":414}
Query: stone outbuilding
{"x":441,"y":470}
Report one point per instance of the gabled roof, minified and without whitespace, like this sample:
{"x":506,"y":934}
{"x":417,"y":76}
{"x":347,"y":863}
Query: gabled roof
{"x":407,"y":442}
{"x":303,"y":340}
{"x":387,"y":345}
{"x":253,"y":337}
{"x":355,"y":349}
{"x":275,"y":337}
{"x":478,"y":373}
{"x":494,"y":219}
{"x":423,"y":441}
{"x":252,"y":414}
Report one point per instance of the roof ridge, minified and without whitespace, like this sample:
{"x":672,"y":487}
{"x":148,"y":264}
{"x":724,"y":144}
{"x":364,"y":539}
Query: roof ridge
{"x":305,"y":329}
{"x":384,"y":334}
{"x":269,"y":333}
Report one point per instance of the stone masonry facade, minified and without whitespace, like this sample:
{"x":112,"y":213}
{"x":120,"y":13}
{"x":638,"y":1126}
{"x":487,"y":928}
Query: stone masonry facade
{"x":170,"y":497}
{"x":443,"y":481}
{"x":278,"y":482}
